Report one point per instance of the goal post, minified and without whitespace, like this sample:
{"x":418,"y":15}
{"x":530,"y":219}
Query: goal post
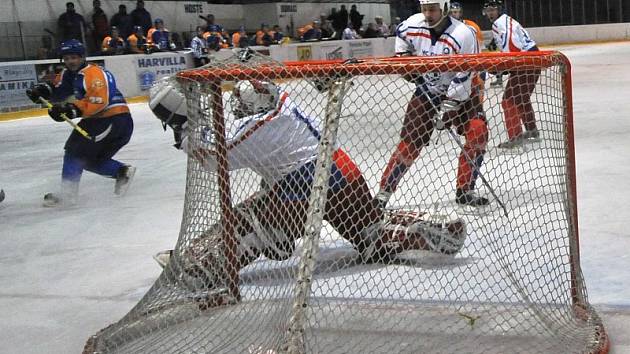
{"x":280,"y":213}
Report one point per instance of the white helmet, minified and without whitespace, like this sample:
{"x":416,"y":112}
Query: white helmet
{"x":253,"y":96}
{"x":444,"y":5}
{"x":168,"y":104}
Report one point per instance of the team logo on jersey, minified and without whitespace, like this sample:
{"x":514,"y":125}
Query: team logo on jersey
{"x":97,"y":83}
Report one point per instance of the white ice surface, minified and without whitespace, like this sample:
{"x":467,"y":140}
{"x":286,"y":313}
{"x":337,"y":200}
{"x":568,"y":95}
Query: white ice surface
{"x":67,"y":273}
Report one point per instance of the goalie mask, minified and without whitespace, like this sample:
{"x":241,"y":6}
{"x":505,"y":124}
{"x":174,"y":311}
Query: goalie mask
{"x":251,"y":97}
{"x":169,"y":106}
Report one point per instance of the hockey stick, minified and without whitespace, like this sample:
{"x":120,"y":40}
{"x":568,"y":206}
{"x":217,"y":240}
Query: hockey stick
{"x":63,"y":115}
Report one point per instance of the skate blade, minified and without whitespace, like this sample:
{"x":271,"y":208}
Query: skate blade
{"x":475,"y":210}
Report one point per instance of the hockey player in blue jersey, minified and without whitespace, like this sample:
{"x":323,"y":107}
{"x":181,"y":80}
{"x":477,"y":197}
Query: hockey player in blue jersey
{"x":87,"y":91}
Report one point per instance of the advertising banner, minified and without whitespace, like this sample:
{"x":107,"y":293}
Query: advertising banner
{"x":14,"y":80}
{"x":304,"y":52}
{"x":361,"y":49}
{"x":332,"y":51}
{"x":155,"y":67}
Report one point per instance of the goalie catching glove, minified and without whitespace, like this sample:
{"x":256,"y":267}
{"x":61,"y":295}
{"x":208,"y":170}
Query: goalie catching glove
{"x":68,"y":109}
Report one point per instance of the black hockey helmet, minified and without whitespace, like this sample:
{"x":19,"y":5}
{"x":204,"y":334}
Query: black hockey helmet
{"x":493,"y":3}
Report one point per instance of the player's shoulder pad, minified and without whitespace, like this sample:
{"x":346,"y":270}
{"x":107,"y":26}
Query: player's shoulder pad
{"x":416,"y":20}
{"x":462,"y":31}
{"x":463,"y":36}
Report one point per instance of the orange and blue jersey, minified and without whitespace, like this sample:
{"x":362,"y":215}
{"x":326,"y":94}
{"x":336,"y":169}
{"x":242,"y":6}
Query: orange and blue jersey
{"x":110,"y":45}
{"x":160,"y":38}
{"x":94,"y":90}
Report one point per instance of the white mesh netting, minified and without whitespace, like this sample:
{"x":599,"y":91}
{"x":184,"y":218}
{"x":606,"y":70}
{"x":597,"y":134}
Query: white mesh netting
{"x":283,"y":247}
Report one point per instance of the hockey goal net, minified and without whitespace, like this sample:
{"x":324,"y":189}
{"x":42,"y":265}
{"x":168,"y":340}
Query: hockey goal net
{"x":514,"y":284}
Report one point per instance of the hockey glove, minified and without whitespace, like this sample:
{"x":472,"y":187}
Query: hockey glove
{"x":70,"y":110}
{"x":492,"y":46}
{"x":449,"y":110}
{"x":40,"y":90}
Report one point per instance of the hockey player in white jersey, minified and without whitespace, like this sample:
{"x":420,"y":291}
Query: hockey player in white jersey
{"x":275,"y":139}
{"x":432,"y":33}
{"x":510,"y":36}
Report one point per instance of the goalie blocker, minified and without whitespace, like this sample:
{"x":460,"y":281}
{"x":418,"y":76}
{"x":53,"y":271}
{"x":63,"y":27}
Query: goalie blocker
{"x":269,"y":222}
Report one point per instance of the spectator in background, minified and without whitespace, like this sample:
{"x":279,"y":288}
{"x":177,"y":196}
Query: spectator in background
{"x":124,"y":22}
{"x":71,"y":24}
{"x":381,"y":27}
{"x":161,"y":37}
{"x":335,"y":19}
{"x":263,"y":37}
{"x":342,"y":17}
{"x":327,"y":30}
{"x":99,"y":25}
{"x":141,"y":17}
{"x":349,"y":33}
{"x":371,"y":31}
{"x":356,"y":18}
{"x":176,"y":41}
{"x":311,"y":32}
{"x":239,"y":39}
{"x":113,"y":44}
{"x":137,"y":42}
{"x":46,"y":50}
{"x":215,"y":34}
{"x":394,"y":26}
{"x":277,"y":34}
{"x":215,"y":28}
{"x":199,"y":48}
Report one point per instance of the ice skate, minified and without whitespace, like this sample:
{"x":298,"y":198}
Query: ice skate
{"x":531,"y":135}
{"x":512,"y":143}
{"x":52,"y":200}
{"x":2,"y":195}
{"x":68,"y":195}
{"x":469,"y":198}
{"x":123,"y":179}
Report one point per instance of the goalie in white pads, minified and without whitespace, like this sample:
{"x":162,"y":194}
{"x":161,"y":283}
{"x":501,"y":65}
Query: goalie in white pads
{"x":279,"y":142}
{"x":433,"y":33}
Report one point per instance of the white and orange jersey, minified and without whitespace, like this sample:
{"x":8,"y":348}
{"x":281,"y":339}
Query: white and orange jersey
{"x":414,"y":36}
{"x":510,"y":36}
{"x":272,"y":144}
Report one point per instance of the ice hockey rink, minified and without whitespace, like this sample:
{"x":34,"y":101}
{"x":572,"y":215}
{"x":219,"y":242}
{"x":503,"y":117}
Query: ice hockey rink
{"x":66,"y":273}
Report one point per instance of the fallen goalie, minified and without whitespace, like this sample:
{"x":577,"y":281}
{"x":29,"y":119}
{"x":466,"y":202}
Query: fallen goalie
{"x":275,"y":139}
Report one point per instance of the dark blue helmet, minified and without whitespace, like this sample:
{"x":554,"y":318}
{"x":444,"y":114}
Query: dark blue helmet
{"x":493,"y":3}
{"x":456,"y":5}
{"x":72,"y":46}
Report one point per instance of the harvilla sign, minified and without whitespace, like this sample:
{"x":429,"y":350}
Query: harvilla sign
{"x":168,"y":61}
